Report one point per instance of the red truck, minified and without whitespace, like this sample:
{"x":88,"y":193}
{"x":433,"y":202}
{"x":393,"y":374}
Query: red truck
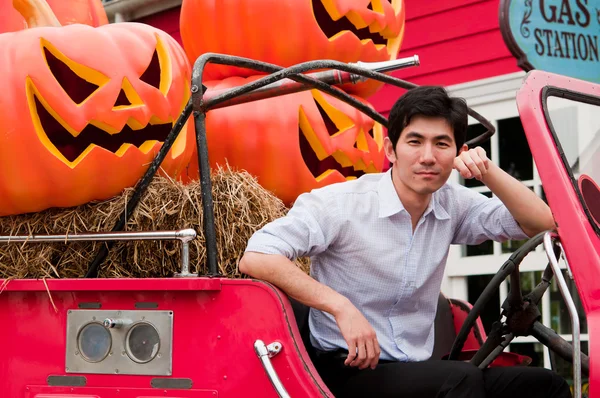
{"x":210,"y":336}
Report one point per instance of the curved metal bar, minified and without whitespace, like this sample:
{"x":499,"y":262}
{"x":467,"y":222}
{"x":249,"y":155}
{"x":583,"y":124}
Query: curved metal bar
{"x":311,"y":65}
{"x":208,"y":214}
{"x":329,"y":76}
{"x":276,"y":73}
{"x":564,"y":290}
{"x":183,"y":235}
{"x":263,"y":354}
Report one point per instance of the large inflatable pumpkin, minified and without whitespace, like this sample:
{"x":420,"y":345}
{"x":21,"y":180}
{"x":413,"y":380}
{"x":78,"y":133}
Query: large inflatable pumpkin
{"x":293,"y":143}
{"x":287,"y":32}
{"x":88,"y":12}
{"x":83,"y":111}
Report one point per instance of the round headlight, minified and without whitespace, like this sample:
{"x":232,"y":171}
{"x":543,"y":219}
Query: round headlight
{"x":94,"y":342}
{"x":142,"y":342}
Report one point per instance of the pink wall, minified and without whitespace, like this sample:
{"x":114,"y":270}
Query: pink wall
{"x":456,"y":40}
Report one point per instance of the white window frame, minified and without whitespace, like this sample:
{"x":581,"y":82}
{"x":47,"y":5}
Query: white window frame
{"x":495,"y":98}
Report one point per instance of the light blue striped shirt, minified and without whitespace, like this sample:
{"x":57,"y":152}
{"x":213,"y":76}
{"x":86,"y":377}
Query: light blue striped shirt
{"x":360,"y":241}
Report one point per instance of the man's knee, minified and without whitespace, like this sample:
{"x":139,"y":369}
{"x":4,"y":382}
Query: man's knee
{"x":469,"y":371}
{"x":464,"y":375}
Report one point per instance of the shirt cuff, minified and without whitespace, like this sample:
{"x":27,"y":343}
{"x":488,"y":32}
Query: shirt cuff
{"x":264,"y":244}
{"x":512,"y":227}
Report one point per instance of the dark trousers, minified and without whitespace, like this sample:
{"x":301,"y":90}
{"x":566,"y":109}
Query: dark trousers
{"x":436,"y":379}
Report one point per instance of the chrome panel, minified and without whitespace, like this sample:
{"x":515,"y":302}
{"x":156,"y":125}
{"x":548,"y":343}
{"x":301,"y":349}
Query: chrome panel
{"x":120,"y":358}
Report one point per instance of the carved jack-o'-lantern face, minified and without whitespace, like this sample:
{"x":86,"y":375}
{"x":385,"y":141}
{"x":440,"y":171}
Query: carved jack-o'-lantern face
{"x":293,"y":143}
{"x":84,"y":111}
{"x":376,"y":23}
{"x":290,"y":32}
{"x":83,"y":85}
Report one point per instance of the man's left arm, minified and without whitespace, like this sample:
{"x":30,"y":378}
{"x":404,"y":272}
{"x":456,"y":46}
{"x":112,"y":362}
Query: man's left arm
{"x":529,"y":210}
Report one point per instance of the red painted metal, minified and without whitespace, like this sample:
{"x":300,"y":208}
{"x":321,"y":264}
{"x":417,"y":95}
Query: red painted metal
{"x":581,"y":244}
{"x":108,"y":284}
{"x":102,"y":392}
{"x":216,"y":322}
{"x":460,"y":311}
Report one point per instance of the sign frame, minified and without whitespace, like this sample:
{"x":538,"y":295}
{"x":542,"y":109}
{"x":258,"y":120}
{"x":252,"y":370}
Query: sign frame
{"x":509,"y":39}
{"x":528,"y":32}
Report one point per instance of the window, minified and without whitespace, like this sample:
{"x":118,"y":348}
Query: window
{"x":576,"y":129}
{"x":507,"y":148}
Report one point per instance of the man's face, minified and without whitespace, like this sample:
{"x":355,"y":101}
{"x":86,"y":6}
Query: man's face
{"x":424,"y":155}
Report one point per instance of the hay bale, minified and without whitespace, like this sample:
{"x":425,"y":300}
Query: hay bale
{"x":241,"y":207}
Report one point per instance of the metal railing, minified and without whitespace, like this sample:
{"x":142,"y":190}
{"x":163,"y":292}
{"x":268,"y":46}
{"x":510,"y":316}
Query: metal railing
{"x":185,"y":236}
{"x":564,"y":290}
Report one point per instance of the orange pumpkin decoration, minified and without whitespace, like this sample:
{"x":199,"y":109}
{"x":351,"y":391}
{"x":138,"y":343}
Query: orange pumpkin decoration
{"x":83,"y":110}
{"x":293,"y":143}
{"x":287,"y":32}
{"x":88,"y":12}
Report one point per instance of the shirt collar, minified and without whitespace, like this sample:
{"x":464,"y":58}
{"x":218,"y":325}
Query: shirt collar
{"x":390,"y":203}
{"x":436,"y":207}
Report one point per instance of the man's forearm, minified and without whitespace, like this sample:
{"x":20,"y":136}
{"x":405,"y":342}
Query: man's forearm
{"x":530,"y":211}
{"x":284,"y":274}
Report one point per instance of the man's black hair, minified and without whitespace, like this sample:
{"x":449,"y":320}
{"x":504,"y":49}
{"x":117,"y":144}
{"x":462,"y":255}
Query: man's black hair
{"x":430,"y":101}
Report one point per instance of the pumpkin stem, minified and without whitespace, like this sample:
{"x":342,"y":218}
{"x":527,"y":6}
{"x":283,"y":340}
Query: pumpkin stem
{"x":37,"y":13}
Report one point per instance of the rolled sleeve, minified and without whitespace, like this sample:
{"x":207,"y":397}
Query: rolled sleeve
{"x":484,"y":218}
{"x":307,"y":229}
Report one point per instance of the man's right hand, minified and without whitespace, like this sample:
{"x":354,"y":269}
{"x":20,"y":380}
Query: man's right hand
{"x":363,"y":348}
{"x":356,"y":330}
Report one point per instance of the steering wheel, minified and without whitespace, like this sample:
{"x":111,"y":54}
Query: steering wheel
{"x":522,"y":314}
